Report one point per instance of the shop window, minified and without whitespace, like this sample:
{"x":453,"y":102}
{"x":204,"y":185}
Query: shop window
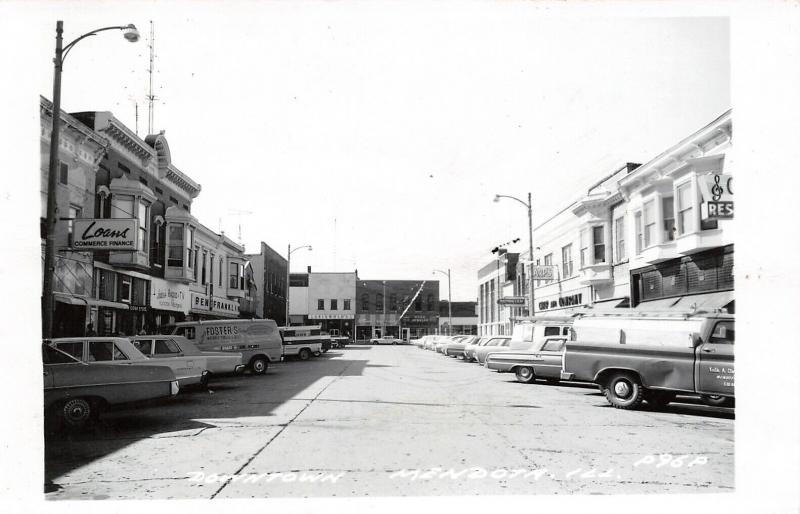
{"x":63,"y":173}
{"x":649,"y":213}
{"x":673,"y":280}
{"x":175,"y":248}
{"x":346,"y":305}
{"x":139,"y":294}
{"x":685,"y":205}
{"x":106,"y":284}
{"x":702,"y":273}
{"x":124,"y":289}
{"x":566,"y":260}
{"x":619,"y":230}
{"x":598,"y":241}
{"x":668,"y":215}
{"x":334,"y":304}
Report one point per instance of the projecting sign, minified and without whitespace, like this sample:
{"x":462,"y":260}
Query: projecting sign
{"x":511,"y":300}
{"x":118,"y":234}
{"x":542,"y":272}
{"x":718,"y":195}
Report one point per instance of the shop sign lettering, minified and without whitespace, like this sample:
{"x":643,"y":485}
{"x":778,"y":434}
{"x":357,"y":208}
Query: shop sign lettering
{"x":117,"y":234}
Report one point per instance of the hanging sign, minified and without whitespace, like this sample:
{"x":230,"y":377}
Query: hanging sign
{"x":117,"y":234}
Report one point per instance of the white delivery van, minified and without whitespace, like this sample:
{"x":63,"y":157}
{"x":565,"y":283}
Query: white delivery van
{"x":258,"y":340}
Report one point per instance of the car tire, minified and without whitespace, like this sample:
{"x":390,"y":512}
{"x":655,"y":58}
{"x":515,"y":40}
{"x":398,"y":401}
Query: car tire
{"x":716,"y":400}
{"x":78,"y":413}
{"x":304,"y":354}
{"x":259,"y":365}
{"x":624,"y":391}
{"x":659,"y":399}
{"x":525,"y":374}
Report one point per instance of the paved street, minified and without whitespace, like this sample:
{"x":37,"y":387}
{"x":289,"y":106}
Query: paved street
{"x":388,"y":421}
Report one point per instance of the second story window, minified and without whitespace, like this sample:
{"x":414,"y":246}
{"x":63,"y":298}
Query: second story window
{"x":683,"y":195}
{"x":548,"y":261}
{"x":599,"y":243}
{"x":203,"y":272}
{"x":365,"y":302}
{"x":379,"y":302}
{"x":63,"y":173}
{"x":74,"y":213}
{"x":175,"y":249}
{"x":236,"y":276}
{"x":221,"y":270}
{"x":668,"y":215}
{"x":584,"y":248}
{"x":393,"y":302}
{"x":649,"y":223}
{"x":320,"y":305}
{"x":346,"y":305}
{"x":619,"y":231}
{"x":637,"y":218}
{"x":566,"y":260}
{"x":143,"y":214}
{"x":334,"y":305}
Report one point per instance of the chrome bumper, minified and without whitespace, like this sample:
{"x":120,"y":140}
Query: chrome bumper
{"x":174,"y":387}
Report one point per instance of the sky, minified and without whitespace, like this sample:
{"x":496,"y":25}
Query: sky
{"x":379,"y":134}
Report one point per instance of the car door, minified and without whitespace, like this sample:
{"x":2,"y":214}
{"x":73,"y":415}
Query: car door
{"x":547,"y":360}
{"x":714,"y":370}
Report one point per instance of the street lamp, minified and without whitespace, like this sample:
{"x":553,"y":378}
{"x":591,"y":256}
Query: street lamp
{"x":48,"y":302}
{"x":449,"y":301}
{"x":289,"y":253}
{"x":528,"y":205}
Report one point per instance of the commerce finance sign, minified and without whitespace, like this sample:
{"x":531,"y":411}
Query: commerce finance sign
{"x":96,"y":234}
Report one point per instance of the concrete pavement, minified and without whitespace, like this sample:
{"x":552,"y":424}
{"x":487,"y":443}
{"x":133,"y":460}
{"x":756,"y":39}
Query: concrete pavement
{"x":391,"y":421}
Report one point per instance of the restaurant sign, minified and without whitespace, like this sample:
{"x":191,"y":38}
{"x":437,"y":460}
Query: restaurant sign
{"x":99,"y":234}
{"x":717,"y":190}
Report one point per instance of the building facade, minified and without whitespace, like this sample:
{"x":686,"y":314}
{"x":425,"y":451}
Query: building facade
{"x":396,"y":308}
{"x":464,"y":318}
{"x":326,"y":299}
{"x":269,"y":273}
{"x":645,"y":236}
{"x":496,"y":280}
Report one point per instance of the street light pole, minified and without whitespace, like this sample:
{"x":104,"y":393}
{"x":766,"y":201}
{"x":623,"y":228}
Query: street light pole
{"x":289,"y":252}
{"x":48,"y":301}
{"x":529,"y":206}
{"x":449,"y":302}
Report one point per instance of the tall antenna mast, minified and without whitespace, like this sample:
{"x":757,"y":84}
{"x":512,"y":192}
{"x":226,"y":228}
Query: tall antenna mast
{"x":137,"y":118}
{"x":334,"y":244}
{"x":151,"y":97}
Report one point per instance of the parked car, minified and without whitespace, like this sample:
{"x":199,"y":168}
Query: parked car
{"x":445,"y":341}
{"x":652,"y":357}
{"x":257,"y":340}
{"x":75,"y":393}
{"x":545,"y":361}
{"x":469,"y":350}
{"x":161,"y":346}
{"x":430,"y":343}
{"x":456,"y":348}
{"x":303,"y":341}
{"x":495,"y":344}
{"x":527,"y":348}
{"x":338,"y":340}
{"x":189,"y":370}
{"x":386,"y":340}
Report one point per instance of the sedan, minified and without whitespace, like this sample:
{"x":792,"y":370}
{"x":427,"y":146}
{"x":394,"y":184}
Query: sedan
{"x":75,"y":392}
{"x":189,"y":370}
{"x":495,"y":344}
{"x":469,"y":350}
{"x":456,"y":348}
{"x":160,"y":347}
{"x":386,"y":340}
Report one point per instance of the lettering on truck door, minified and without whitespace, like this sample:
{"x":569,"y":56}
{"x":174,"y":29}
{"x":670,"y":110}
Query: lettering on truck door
{"x":715,"y":372}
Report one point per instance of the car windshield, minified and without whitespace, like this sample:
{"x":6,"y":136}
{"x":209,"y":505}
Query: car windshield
{"x":51,"y":355}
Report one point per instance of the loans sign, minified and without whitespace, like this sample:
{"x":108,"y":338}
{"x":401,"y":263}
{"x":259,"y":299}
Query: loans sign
{"x":118,"y":234}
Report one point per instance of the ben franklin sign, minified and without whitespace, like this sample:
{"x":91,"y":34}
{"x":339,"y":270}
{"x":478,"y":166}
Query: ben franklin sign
{"x":118,"y":234}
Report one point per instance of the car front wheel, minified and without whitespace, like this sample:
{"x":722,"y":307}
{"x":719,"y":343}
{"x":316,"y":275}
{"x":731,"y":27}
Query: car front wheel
{"x":624,"y":391}
{"x":304,"y":354}
{"x":79,"y":412}
{"x":524,"y":374}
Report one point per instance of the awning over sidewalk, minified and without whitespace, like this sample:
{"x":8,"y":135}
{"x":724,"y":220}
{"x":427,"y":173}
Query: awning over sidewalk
{"x":697,"y":302}
{"x":91,"y":302}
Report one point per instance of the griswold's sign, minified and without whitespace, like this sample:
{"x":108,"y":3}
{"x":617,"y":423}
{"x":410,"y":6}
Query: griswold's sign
{"x":118,"y":234}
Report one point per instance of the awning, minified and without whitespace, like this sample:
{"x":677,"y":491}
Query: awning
{"x":72,"y":299}
{"x":696,"y":302}
{"x":610,"y":305}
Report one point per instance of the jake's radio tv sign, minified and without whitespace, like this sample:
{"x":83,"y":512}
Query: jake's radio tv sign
{"x":116,"y":234}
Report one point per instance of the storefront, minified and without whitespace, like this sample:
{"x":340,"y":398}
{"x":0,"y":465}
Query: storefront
{"x":341,"y":322}
{"x":564,"y":303}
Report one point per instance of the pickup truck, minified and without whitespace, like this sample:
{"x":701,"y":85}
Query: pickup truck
{"x":641,"y":357}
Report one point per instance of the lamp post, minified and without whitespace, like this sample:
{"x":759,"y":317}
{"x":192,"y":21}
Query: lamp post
{"x":48,"y":302}
{"x":449,"y":302}
{"x":289,"y":253}
{"x":529,"y":206}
